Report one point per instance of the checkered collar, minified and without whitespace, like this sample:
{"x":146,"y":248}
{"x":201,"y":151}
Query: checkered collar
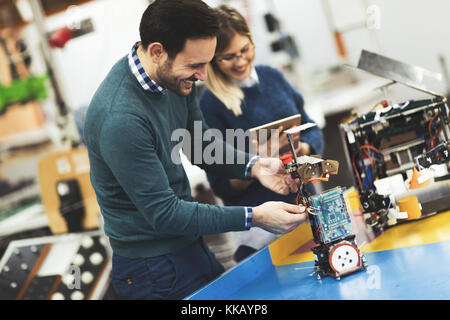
{"x":144,"y":79}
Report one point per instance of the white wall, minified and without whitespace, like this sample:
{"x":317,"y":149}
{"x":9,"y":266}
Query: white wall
{"x":412,"y":31}
{"x":84,"y":62}
{"x":305,"y":21}
{"x":416,"y":32}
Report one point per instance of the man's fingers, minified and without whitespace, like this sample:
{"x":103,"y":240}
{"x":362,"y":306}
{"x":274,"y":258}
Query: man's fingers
{"x":284,"y":189}
{"x":293,"y":186}
{"x":293,"y":208}
{"x":292,"y":183}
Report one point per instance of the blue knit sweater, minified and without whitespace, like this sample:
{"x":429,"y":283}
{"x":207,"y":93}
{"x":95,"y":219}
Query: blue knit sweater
{"x":272,"y":99}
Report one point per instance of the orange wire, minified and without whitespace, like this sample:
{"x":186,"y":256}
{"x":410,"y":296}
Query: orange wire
{"x":370,"y":158}
{"x":430,"y":123}
{"x":429,"y":130}
{"x":315,"y":180}
{"x":368,"y":146}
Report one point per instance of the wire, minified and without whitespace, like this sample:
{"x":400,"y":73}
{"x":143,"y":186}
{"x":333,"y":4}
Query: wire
{"x":368,"y":146}
{"x":300,"y":190}
{"x":356,"y":172}
{"x":315,"y":180}
{"x":309,"y":209}
{"x":439,"y":130}
{"x":298,"y":194}
{"x":429,"y":130}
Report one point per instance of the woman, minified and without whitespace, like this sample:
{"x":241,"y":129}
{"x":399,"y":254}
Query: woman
{"x":241,"y":96}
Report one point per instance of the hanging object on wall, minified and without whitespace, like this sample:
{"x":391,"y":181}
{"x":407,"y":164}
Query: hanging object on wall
{"x":345,"y":16}
{"x":16,"y":86}
{"x":59,"y":38}
{"x":22,"y":91}
{"x":66,"y":191}
{"x":20,"y":110}
{"x":283,"y":42}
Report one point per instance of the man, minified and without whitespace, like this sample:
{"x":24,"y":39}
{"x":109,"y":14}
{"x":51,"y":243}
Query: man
{"x":152,"y":223}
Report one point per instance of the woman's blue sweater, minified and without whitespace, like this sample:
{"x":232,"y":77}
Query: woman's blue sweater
{"x":273,"y":98}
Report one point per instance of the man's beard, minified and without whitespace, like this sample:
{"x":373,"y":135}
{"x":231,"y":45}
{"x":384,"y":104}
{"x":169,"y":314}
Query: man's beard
{"x":171,"y":82}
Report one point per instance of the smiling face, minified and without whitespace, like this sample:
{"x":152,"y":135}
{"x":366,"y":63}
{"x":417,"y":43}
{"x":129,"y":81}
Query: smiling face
{"x":180,"y":73}
{"x":236,"y":61}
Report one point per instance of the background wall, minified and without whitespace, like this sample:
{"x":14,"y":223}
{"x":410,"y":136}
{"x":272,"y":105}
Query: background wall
{"x":413,"y":31}
{"x":84,"y":62}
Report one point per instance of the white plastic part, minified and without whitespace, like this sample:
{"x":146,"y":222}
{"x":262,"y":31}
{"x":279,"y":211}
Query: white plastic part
{"x":344,"y":257}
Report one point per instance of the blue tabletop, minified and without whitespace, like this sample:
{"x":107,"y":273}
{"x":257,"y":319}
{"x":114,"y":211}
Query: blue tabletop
{"x":417,"y":272}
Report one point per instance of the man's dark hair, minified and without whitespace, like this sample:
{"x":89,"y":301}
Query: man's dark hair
{"x":172,"y":22}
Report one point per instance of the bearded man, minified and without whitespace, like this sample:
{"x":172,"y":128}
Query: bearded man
{"x":154,"y":227}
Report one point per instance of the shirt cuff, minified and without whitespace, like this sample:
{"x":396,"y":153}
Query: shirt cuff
{"x":248,"y":168}
{"x":248,"y":217}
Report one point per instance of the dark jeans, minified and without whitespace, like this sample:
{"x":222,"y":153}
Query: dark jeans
{"x":167,"y":277}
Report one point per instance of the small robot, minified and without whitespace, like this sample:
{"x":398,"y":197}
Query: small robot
{"x":336,"y":253}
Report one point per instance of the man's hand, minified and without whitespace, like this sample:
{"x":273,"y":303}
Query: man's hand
{"x":271,"y":174}
{"x":278,"y":217}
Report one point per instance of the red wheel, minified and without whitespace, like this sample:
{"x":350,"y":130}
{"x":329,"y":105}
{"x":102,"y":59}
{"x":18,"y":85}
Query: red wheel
{"x":344,"y":257}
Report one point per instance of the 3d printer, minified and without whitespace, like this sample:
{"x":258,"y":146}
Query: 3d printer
{"x":395,"y":138}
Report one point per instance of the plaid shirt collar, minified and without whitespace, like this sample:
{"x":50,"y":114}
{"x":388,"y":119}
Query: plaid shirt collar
{"x":142,"y":77}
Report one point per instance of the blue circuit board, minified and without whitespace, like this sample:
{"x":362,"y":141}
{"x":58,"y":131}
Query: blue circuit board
{"x":330,"y":220}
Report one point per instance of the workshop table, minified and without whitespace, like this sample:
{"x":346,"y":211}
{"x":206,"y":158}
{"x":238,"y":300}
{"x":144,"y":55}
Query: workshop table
{"x":407,"y":261}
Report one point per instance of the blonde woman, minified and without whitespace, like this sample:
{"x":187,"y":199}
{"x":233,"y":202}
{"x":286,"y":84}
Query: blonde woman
{"x":242,"y":96}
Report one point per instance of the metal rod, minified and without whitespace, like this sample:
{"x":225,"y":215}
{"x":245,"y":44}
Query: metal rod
{"x":292,"y":147}
{"x":38,"y":18}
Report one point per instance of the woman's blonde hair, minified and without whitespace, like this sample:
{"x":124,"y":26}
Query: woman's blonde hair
{"x":231,"y":22}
